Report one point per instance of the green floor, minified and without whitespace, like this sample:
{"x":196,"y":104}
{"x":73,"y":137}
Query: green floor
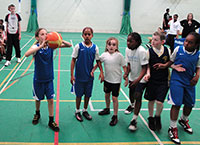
{"x":17,"y":106}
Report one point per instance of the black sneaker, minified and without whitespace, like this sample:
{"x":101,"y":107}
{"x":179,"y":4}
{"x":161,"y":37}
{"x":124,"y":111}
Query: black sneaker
{"x":114,"y":120}
{"x":129,"y":110}
{"x":158,"y":124}
{"x":35,"y":119}
{"x":151,"y":123}
{"x":173,"y":134}
{"x":87,"y":115}
{"x":79,"y":116}
{"x":133,"y":125}
{"x":54,"y":126}
{"x":105,"y":111}
{"x":185,"y":125}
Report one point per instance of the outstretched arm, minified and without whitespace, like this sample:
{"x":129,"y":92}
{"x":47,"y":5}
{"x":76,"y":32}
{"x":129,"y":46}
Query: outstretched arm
{"x":65,"y":44}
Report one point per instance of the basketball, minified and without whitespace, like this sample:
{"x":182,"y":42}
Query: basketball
{"x":54,"y":40}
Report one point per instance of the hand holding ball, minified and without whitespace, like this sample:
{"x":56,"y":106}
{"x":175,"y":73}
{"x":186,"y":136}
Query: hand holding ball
{"x":54,"y":40}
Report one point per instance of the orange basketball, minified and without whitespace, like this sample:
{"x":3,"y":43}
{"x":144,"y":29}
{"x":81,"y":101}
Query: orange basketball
{"x":54,"y":40}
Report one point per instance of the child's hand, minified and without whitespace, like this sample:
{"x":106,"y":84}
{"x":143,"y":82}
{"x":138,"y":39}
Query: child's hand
{"x":194,"y":80}
{"x":159,"y":66}
{"x":133,"y":84}
{"x":178,"y":67}
{"x":146,"y":77}
{"x":125,"y":76}
{"x":72,"y":80}
{"x":92,"y":73}
{"x":101,"y":77}
{"x":126,"y":82}
{"x":44,"y":44}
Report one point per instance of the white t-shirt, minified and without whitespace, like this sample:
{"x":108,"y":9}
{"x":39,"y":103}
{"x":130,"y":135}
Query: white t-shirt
{"x":174,"y":27}
{"x":113,"y":64}
{"x":137,"y":58}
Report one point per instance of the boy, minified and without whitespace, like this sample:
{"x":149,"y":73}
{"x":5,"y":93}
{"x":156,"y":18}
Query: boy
{"x":157,"y":86}
{"x":136,"y":58}
{"x":83,"y":57}
{"x":13,"y":34}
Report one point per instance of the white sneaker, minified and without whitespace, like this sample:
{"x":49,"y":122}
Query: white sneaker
{"x":18,"y":60}
{"x":7,"y":63}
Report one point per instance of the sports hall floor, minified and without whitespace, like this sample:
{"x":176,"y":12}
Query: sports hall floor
{"x":17,"y":106}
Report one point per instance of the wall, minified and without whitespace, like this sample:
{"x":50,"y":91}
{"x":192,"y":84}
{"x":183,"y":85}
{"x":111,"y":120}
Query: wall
{"x":101,"y":15}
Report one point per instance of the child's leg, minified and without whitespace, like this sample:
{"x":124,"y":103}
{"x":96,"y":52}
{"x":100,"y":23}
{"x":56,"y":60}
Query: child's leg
{"x":78,"y":102}
{"x":159,"y":108}
{"x":16,"y":44}
{"x":115,"y":104}
{"x":186,"y":112}
{"x":86,"y":101}
{"x":107,"y":99}
{"x":174,"y":115}
{"x":37,"y":105}
{"x":151,"y":108}
{"x":51,"y":107}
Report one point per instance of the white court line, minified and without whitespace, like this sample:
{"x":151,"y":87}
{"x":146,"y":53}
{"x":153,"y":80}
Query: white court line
{"x":20,"y":49}
{"x":12,"y":76}
{"x":153,"y":133}
{"x":91,"y":106}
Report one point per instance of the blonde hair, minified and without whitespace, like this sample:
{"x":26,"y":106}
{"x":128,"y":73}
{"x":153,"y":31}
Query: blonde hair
{"x":160,"y":34}
{"x":108,"y":41}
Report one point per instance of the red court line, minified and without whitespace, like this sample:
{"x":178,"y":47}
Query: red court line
{"x":57,"y":101}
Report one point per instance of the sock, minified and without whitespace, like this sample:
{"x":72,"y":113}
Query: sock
{"x":51,"y":118}
{"x":84,"y":109}
{"x":37,"y":112}
{"x":183,"y":117}
{"x":132,"y":104}
{"x":173,"y":123}
{"x":78,"y":110}
{"x":135,"y":117}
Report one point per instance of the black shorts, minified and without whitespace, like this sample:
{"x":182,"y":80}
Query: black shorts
{"x":137,"y":91}
{"x":156,"y":92}
{"x":110,"y":87}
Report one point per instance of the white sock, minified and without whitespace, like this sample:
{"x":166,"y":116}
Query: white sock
{"x":78,"y":110}
{"x":135,"y":117}
{"x":84,"y":110}
{"x":132,"y":104}
{"x":173,"y":123}
{"x":183,"y":117}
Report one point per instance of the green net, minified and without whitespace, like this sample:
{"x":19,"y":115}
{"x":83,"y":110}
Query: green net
{"x":126,"y":23}
{"x":33,"y":23}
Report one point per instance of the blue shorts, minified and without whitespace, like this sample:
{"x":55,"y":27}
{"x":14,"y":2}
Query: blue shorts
{"x":41,"y":89}
{"x":83,"y":88}
{"x":180,"y":94}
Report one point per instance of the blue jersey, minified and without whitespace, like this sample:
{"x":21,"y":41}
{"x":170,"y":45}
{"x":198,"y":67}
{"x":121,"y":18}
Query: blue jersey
{"x":158,"y":76}
{"x":43,"y":65}
{"x":85,"y":63}
{"x":189,"y":62}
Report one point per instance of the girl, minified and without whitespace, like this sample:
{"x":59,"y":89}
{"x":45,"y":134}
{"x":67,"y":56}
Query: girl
{"x":2,"y":44}
{"x":113,"y":61}
{"x":43,"y":75}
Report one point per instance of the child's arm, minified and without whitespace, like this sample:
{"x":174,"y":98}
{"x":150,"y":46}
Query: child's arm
{"x":147,"y":75}
{"x":195,"y":79}
{"x":142,"y":73}
{"x":93,"y":70}
{"x":72,"y":70}
{"x":162,"y":65}
{"x":101,"y":76}
{"x":34,"y":49}
{"x":126,"y":73}
{"x":65,"y":44}
{"x":19,"y":24}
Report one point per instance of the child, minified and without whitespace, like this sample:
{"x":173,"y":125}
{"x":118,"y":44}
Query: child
{"x":2,"y":44}
{"x":83,"y":57}
{"x":157,"y":86}
{"x":13,"y":34}
{"x":43,"y":75}
{"x":182,"y":84}
{"x":113,"y":61}
{"x":136,"y":58}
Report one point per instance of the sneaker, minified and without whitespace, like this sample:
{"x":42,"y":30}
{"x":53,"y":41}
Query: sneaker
{"x":133,"y":125}
{"x":185,"y":125}
{"x":79,"y":116}
{"x":151,"y":123}
{"x":87,"y":115}
{"x":35,"y":119}
{"x":114,"y":120}
{"x":173,"y":134}
{"x":158,"y":124}
{"x":54,"y":126}
{"x":105,"y":111}
{"x":18,"y":60}
{"x":129,"y":110}
{"x":7,"y":63}
{"x":4,"y":57}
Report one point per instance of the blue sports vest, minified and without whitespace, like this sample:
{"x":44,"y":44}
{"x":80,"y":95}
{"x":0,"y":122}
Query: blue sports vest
{"x":44,"y":65}
{"x":84,"y":63}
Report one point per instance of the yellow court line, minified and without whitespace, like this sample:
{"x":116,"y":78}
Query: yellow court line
{"x":106,"y":143}
{"x":10,"y":73}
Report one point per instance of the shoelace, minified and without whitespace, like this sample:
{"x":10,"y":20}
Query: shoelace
{"x":187,"y":124}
